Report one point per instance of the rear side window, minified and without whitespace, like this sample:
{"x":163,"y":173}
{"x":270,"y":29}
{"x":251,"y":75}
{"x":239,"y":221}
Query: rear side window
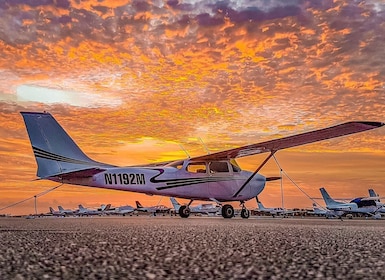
{"x":219,"y":167}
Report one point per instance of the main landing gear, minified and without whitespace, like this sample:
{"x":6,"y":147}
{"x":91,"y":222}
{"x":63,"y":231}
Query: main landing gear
{"x":227,"y":211}
{"x":184,"y":211}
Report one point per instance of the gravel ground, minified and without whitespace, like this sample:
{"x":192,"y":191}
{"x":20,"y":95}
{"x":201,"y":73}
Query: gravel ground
{"x":193,"y":248}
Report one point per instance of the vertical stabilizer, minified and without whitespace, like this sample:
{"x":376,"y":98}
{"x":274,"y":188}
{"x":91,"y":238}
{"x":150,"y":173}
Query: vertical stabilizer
{"x":328,"y":200}
{"x":175,"y":204}
{"x":138,"y":205}
{"x":372,"y":193}
{"x":55,"y":151}
{"x":260,"y":206}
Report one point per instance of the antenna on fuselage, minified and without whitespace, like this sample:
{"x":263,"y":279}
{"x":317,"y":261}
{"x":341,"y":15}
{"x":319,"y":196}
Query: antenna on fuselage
{"x":184,"y":150}
{"x":204,"y":145}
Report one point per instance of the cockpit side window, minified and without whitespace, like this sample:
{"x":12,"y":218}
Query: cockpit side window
{"x":196,"y":167}
{"x":218,"y":167}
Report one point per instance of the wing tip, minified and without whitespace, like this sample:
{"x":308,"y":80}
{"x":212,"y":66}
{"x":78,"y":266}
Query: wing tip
{"x":374,"y":124}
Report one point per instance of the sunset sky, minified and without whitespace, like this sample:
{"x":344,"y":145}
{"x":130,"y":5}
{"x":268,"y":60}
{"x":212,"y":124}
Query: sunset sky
{"x":132,"y":81}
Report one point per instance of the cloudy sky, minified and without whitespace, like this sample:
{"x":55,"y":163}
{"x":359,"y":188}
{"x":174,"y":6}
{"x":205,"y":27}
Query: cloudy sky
{"x":132,"y":81}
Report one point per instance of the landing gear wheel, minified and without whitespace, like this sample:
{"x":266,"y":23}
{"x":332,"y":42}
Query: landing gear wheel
{"x":184,"y":211}
{"x":245,"y":214}
{"x":227,"y":211}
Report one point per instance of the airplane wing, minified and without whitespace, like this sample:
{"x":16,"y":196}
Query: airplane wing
{"x":293,"y":141}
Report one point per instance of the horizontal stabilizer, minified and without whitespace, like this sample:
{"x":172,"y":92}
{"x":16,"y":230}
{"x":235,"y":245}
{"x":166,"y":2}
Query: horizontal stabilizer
{"x":84,"y":173}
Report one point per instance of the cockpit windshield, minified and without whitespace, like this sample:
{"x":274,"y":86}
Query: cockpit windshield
{"x":176,"y":164}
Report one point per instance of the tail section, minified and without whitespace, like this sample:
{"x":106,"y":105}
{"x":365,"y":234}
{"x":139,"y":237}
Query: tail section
{"x":51,"y":210}
{"x":55,"y":151}
{"x":259,"y":203}
{"x":61,"y":209}
{"x":316,"y":209}
{"x":175,"y":204}
{"x":372,"y":193}
{"x":328,"y":200}
{"x":138,"y":205}
{"x":81,"y":208}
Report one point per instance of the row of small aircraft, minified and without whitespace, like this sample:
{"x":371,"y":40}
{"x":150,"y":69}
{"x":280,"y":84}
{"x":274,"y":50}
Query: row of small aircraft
{"x":206,"y":208}
{"x":108,"y":210}
{"x":369,"y":206}
{"x":214,"y":177}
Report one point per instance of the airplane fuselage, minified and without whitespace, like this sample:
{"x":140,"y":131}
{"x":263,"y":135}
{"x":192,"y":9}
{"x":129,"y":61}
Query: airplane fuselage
{"x":353,"y":208}
{"x":180,"y":181}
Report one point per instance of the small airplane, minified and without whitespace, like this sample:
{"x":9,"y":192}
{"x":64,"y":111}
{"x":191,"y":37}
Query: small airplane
{"x":66,"y":211}
{"x":206,"y":208}
{"x":212,"y":177}
{"x":319,"y":211}
{"x":91,"y":212}
{"x":357,"y":205}
{"x":152,"y":209}
{"x":55,"y":213}
{"x":272,"y":211}
{"x":121,"y":210}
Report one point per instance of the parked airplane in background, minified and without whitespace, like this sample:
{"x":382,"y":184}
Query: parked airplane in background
{"x":207,"y":208}
{"x":121,"y":210}
{"x":319,"y":211}
{"x":357,"y":205}
{"x":210,"y":177}
{"x":61,"y":212}
{"x":66,"y":211}
{"x":56,"y":213}
{"x":152,"y":209}
{"x":90,"y":212}
{"x":272,"y":211}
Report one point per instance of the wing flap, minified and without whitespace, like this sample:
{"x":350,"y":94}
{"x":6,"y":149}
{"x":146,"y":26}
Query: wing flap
{"x":293,"y":141}
{"x":83,"y":173}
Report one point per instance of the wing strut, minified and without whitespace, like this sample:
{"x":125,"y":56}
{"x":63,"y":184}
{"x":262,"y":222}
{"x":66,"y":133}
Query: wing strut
{"x":255,"y":173}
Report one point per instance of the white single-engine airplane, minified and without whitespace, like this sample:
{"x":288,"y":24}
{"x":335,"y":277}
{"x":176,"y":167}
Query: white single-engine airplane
{"x":216,"y":177}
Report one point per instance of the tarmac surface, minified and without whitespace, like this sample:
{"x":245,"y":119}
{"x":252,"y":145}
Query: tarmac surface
{"x":194,"y":248}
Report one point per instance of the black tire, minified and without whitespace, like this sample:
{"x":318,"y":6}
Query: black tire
{"x":227,"y":211}
{"x":184,"y":211}
{"x":245,"y":214}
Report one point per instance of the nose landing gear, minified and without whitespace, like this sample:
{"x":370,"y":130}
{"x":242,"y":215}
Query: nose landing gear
{"x":245,"y":213}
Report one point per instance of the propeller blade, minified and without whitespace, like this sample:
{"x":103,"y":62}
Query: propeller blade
{"x":273,"y":178}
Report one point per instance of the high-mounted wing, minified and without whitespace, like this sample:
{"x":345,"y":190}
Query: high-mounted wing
{"x":293,"y":141}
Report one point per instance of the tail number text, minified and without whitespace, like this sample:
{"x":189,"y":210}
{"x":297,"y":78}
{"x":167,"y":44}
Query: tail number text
{"x":124,"y":179}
